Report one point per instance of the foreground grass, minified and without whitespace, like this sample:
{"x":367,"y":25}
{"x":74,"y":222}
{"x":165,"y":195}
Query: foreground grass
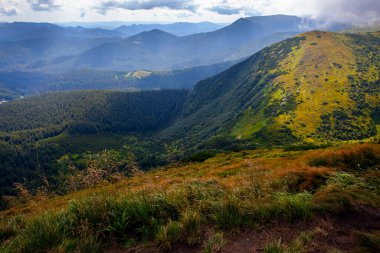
{"x":197,"y":204}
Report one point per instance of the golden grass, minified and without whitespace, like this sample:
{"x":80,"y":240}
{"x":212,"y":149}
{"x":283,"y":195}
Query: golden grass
{"x":261,"y":165}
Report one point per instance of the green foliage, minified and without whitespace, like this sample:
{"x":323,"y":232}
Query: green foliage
{"x":349,"y":127}
{"x":200,"y":156}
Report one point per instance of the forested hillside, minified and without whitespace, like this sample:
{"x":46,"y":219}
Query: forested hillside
{"x":93,"y":111}
{"x":16,"y":84}
{"x":35,"y":132}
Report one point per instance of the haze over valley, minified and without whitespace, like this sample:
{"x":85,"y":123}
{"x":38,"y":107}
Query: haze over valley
{"x":189,"y":126}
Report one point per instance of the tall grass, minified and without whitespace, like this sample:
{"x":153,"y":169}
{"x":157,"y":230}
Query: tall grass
{"x":186,"y":209}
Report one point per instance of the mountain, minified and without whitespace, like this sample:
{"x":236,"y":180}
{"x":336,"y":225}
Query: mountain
{"x":21,"y":31}
{"x":172,"y":52}
{"x":178,"y":29}
{"x":316,"y":86}
{"x":34,"y":45}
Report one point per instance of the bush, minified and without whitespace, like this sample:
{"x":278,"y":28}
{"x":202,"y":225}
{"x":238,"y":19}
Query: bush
{"x":286,"y":206}
{"x":168,"y":234}
{"x":200,"y":156}
{"x":214,"y":243}
{"x":191,"y":222}
{"x":228,"y":214}
{"x":41,"y":234}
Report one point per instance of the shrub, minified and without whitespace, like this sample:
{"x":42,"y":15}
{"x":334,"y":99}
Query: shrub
{"x":214,"y":243}
{"x":286,"y":206}
{"x":228,"y":214}
{"x":168,"y":234}
{"x":43,"y":233}
{"x":200,"y":156}
{"x":191,"y":222}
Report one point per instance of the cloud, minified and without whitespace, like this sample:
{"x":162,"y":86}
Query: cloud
{"x":357,"y":12}
{"x":225,"y":10}
{"x":350,"y":11}
{"x":83,"y":12}
{"x":7,"y":10}
{"x":146,"y":5}
{"x":44,"y":5}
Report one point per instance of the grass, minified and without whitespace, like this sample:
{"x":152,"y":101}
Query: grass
{"x":177,"y":205}
{"x":369,"y":241}
{"x":299,"y":245}
{"x":214,"y":243}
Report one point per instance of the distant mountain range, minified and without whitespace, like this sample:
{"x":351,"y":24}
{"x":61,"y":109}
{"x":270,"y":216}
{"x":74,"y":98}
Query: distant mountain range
{"x":32,"y":45}
{"x":50,"y":48}
{"x":178,"y":29}
{"x":39,"y":54}
{"x":158,"y":50}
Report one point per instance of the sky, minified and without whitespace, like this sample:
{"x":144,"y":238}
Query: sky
{"x":359,"y":12}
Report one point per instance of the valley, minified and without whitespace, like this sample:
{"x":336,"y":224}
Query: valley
{"x":257,"y":135}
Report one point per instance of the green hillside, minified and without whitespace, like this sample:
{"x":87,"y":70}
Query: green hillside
{"x":315,"y":86}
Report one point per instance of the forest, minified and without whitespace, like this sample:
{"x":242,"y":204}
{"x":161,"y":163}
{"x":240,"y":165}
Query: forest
{"x":36,"y":132}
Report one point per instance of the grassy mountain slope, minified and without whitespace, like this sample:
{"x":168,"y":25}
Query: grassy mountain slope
{"x":315,"y":86}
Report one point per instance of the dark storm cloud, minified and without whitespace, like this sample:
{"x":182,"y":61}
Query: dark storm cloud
{"x":44,"y":5}
{"x":146,"y":5}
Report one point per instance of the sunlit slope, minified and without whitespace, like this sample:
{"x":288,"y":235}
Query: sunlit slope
{"x":316,"y":86}
{"x":329,"y":89}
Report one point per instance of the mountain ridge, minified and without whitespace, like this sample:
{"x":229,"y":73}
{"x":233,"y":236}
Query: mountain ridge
{"x":279,"y":94}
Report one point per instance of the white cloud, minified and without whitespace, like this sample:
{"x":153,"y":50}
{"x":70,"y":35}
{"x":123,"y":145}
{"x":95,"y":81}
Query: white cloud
{"x":44,"y":5}
{"x":134,"y":5}
{"x":352,"y":11}
{"x":7,"y":9}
